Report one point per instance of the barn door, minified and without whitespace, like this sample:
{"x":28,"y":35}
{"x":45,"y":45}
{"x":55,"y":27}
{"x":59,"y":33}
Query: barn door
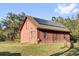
{"x":55,"y":37}
{"x":32,"y":35}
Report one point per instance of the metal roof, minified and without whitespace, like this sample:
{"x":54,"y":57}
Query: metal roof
{"x":48,"y":22}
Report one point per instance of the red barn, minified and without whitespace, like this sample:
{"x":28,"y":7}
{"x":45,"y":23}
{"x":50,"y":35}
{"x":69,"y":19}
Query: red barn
{"x":36,"y":30}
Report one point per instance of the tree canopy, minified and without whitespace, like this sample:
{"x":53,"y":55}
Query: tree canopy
{"x":9,"y":26}
{"x":72,"y":23}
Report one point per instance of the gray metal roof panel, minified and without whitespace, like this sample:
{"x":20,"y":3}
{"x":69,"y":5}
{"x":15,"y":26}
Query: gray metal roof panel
{"x":48,"y":22}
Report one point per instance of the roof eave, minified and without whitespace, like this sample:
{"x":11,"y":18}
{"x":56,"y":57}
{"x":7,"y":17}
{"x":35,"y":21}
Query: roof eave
{"x":53,"y":29}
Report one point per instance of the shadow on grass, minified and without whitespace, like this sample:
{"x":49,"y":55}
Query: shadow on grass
{"x":9,"y":54}
{"x":73,"y":52}
{"x":60,"y":53}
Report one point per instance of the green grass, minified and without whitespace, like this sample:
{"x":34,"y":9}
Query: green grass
{"x":72,"y":52}
{"x":16,"y":48}
{"x":69,"y":52}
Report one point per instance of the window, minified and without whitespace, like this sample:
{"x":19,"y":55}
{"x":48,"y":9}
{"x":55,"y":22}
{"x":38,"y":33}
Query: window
{"x":32,"y":34}
{"x":55,"y":37}
{"x":45,"y":35}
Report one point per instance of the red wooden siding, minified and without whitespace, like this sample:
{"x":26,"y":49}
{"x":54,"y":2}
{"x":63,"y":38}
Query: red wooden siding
{"x":53,"y":36}
{"x":28,"y":32}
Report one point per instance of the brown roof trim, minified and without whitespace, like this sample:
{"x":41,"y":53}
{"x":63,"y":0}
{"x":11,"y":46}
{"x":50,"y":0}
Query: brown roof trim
{"x":22,"y":24}
{"x":53,"y":30}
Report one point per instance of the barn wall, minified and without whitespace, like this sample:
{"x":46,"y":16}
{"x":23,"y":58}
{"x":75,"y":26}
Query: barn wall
{"x":38,"y":34}
{"x":52,"y":38}
{"x":28,"y":32}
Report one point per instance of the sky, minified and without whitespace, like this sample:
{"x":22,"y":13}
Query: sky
{"x":41,"y":10}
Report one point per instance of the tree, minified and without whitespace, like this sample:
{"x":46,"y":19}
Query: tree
{"x":10,"y":25}
{"x":71,"y":24}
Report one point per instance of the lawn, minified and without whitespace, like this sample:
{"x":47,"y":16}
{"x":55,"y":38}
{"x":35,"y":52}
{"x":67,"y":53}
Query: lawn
{"x":68,"y":52}
{"x":18,"y":49}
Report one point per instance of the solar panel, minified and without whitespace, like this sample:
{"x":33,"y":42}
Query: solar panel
{"x":47,"y":22}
